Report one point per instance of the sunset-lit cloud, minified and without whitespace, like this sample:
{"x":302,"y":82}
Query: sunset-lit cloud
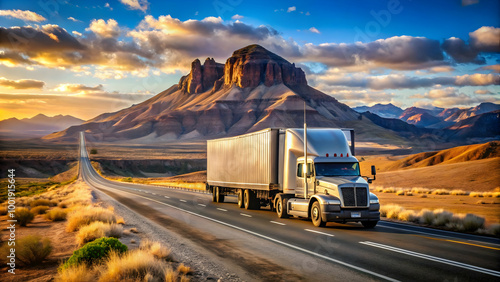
{"x":78,"y":88}
{"x":23,"y":15}
{"x":21,"y":83}
{"x":105,"y":29}
{"x":136,"y":4}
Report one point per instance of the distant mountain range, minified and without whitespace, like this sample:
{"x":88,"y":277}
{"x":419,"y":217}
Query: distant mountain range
{"x":436,"y":118}
{"x":257,"y":89}
{"x":36,"y":126}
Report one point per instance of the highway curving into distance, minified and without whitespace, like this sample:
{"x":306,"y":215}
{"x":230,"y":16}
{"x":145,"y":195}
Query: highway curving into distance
{"x":259,"y":244}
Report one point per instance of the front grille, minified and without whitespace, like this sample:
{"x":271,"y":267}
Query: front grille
{"x":354,"y":197}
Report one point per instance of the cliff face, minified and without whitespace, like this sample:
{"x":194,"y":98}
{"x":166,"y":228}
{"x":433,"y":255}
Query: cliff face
{"x":247,"y":67}
{"x":252,"y":65}
{"x":201,"y":78}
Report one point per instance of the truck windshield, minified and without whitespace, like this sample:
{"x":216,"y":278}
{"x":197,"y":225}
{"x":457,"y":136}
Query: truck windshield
{"x":337,"y":169}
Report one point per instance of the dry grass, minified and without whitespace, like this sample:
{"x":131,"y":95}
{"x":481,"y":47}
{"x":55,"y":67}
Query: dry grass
{"x":134,"y":265}
{"x":40,"y":209}
{"x":400,"y":192}
{"x":41,"y":202}
{"x":30,"y":250}
{"x":87,"y":215}
{"x":155,"y":248}
{"x":56,"y":214}
{"x":134,"y":230}
{"x":76,"y":274}
{"x":24,"y":216}
{"x":436,"y":218}
{"x":184,"y":269}
{"x":97,"y":230}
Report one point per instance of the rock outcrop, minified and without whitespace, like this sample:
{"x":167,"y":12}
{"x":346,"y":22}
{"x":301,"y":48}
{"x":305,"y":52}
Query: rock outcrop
{"x":253,"y":65}
{"x":201,"y":78}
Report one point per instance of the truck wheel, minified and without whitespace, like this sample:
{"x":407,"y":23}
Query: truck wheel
{"x":241,"y":203}
{"x":219,"y":197}
{"x":369,"y":224}
{"x":281,"y":207}
{"x":316,"y":215}
{"x":214,"y":198}
{"x":248,"y":199}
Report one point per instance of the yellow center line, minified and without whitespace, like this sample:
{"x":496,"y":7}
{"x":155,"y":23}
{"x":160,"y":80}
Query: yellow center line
{"x":459,"y":242}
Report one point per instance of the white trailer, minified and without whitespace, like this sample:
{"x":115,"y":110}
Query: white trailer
{"x":267,"y":168}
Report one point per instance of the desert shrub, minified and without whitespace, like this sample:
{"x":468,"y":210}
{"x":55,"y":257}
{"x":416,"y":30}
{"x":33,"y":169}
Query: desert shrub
{"x":440,"y":192}
{"x":408,"y":215}
{"x":93,"y":151}
{"x":472,"y":222}
{"x":441,"y":217}
{"x":97,"y":230}
{"x":183,"y":269}
{"x":3,"y":210}
{"x":56,"y":214}
{"x":155,"y":248}
{"x":494,"y":229}
{"x":400,"y":192}
{"x":40,"y":209}
{"x":390,"y":211}
{"x":40,"y":202}
{"x":458,"y":192}
{"x":420,"y":190}
{"x":88,"y":215}
{"x":24,"y":216}
{"x":30,"y":250}
{"x":426,"y":216}
{"x":389,"y":190}
{"x":476,"y":194}
{"x":423,"y":196}
{"x":94,"y":252}
{"x":76,"y":273}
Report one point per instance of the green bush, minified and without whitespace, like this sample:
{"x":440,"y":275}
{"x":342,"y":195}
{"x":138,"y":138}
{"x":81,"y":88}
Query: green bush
{"x":40,"y":202}
{"x":40,"y":209}
{"x":24,"y":216}
{"x":95,"y":251}
{"x":30,"y":250}
{"x":56,"y":214}
{"x":93,"y":151}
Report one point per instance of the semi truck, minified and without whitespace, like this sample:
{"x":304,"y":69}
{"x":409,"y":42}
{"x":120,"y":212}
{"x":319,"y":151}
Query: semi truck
{"x":313,"y":175}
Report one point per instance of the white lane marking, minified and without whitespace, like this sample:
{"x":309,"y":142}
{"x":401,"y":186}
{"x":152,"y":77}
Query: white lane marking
{"x":167,"y":197}
{"x":318,"y":232}
{"x":279,"y":223}
{"x":202,"y":205}
{"x":432,"y":258}
{"x":244,"y":214}
{"x":184,"y":201}
{"x":222,"y":209}
{"x":434,"y":235}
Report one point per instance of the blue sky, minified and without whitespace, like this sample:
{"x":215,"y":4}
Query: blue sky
{"x":106,"y":55}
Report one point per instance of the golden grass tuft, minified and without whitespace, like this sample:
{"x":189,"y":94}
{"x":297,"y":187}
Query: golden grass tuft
{"x":76,"y":274}
{"x":40,"y":202}
{"x":97,"y":230}
{"x":400,"y":192}
{"x":184,"y":269}
{"x":56,"y":214}
{"x":40,"y":209}
{"x":390,"y":211}
{"x":133,"y":265}
{"x":458,"y":192}
{"x":155,"y":248}
{"x":87,"y":215}
{"x":134,"y":230}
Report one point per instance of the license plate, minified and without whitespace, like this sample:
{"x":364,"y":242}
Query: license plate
{"x":355,"y":214}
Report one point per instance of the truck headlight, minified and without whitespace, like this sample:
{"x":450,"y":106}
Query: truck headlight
{"x":374,"y":201}
{"x":333,"y":202}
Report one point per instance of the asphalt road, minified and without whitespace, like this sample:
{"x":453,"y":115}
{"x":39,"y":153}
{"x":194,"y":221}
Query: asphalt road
{"x":293,"y":249}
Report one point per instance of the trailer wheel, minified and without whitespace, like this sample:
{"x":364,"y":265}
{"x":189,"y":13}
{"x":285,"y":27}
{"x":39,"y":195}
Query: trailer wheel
{"x":219,"y":197}
{"x":241,"y":203}
{"x":281,"y":206}
{"x":214,"y":198}
{"x":369,"y":224}
{"x":248,"y":199}
{"x":316,"y":215}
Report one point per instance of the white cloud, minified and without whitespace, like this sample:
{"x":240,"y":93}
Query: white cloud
{"x":486,"y":39}
{"x":291,"y":9}
{"x":483,"y":92}
{"x":136,"y":4}
{"x":23,"y":15}
{"x":314,"y":30}
{"x":105,"y":29}
{"x":73,"y":19}
{"x":237,"y":17}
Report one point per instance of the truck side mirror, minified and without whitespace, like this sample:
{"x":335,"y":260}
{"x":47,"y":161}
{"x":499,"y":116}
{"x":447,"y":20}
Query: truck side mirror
{"x":374,"y":171}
